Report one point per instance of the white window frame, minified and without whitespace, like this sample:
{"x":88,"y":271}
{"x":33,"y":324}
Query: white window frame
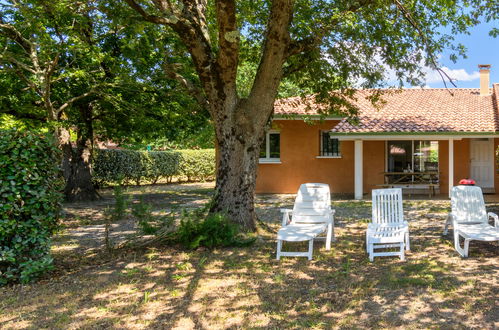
{"x":321,"y":145}
{"x":267,"y":159}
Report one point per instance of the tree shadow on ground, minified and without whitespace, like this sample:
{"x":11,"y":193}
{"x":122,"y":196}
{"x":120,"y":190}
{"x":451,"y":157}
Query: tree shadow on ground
{"x":167,"y":287}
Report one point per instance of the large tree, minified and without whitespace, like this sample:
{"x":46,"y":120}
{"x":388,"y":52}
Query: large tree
{"x":323,"y":46}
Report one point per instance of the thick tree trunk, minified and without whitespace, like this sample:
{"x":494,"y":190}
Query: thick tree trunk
{"x":236,"y":180}
{"x":238,"y":144}
{"x":240,"y":123}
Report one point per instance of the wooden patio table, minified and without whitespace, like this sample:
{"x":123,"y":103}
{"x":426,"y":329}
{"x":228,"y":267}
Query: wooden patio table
{"x":411,"y":180}
{"x":410,"y":177}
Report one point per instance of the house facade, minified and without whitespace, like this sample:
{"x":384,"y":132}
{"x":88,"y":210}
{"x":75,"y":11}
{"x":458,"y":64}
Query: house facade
{"x":423,"y":140}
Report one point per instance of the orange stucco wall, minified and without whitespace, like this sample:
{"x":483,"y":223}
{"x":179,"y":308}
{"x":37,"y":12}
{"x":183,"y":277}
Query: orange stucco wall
{"x":374,"y":155}
{"x":299,"y":163}
{"x":299,"y":149}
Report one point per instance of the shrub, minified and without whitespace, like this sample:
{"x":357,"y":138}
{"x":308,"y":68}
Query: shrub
{"x":214,"y":230}
{"x":113,"y":166}
{"x":197,"y":165}
{"x":163,"y":164}
{"x":115,"y":213}
{"x":30,"y":203}
{"x":143,"y":214}
{"x":119,"y":165}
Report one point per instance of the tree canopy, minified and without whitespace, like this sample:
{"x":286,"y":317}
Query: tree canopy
{"x":242,"y":52}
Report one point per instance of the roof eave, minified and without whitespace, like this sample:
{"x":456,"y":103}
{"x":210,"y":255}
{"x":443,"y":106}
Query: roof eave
{"x":412,"y":135}
{"x":305,"y":117}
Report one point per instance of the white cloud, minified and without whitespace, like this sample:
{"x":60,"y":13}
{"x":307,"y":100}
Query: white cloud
{"x":433,"y":76}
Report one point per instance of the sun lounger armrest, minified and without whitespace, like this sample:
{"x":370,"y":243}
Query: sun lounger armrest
{"x":495,"y":217}
{"x":285,"y":216}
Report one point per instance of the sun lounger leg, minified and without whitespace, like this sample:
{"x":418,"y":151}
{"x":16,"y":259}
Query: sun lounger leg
{"x":457,"y":246}
{"x":447,"y":224}
{"x":279,"y":247}
{"x":370,"y":250}
{"x":310,"y":249}
{"x":466,"y":247}
{"x":329,"y":237}
{"x":367,"y":242}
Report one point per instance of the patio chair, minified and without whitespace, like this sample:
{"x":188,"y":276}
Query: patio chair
{"x":311,"y":216}
{"x":388,"y":228}
{"x":469,"y":218}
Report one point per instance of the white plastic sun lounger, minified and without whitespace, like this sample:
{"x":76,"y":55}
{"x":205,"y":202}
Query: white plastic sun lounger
{"x":469,"y":218}
{"x":310,"y":217}
{"x":388,"y":228}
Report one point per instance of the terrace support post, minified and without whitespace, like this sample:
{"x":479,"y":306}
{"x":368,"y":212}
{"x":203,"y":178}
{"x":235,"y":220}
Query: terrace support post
{"x":451,"y":165}
{"x":358,"y":173}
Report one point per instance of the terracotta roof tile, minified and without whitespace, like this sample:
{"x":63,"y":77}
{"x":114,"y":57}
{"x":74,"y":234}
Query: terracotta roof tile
{"x":412,"y":110}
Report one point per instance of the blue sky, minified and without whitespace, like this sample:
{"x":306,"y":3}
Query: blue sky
{"x":482,"y":49}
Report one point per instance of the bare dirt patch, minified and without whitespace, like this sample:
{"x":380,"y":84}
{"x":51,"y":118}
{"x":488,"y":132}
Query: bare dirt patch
{"x":167,"y":287}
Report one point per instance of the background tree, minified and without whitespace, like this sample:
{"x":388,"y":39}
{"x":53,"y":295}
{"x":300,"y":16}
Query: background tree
{"x":65,"y":66}
{"x":322,"y":46}
{"x":48,"y":46}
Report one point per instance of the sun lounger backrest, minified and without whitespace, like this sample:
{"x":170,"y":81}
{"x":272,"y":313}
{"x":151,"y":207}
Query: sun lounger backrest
{"x":387,"y":206}
{"x":312,"y":203}
{"x":468,"y":205}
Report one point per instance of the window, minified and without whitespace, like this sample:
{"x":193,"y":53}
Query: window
{"x":329,"y":147}
{"x":418,"y":156}
{"x":270,"y":150}
{"x":412,"y":156}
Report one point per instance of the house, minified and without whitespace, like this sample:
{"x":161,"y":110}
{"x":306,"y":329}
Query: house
{"x":425,"y":140}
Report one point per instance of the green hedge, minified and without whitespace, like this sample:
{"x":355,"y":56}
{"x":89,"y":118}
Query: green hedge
{"x":30,"y":204}
{"x":115,"y":165}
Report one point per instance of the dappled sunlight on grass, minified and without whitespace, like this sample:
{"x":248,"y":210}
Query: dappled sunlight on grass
{"x":167,"y":287}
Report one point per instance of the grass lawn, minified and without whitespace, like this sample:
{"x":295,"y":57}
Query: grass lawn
{"x":167,"y":287}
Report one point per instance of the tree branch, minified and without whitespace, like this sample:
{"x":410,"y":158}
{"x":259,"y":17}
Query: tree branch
{"x":74,"y":99}
{"x":312,"y":42}
{"x":191,"y":27}
{"x":11,"y":32}
{"x":408,"y":17}
{"x":153,"y":18}
{"x":277,"y":41}
{"x":194,"y":91}
{"x":228,"y":40}
{"x":21,"y":75}
{"x":11,"y":59}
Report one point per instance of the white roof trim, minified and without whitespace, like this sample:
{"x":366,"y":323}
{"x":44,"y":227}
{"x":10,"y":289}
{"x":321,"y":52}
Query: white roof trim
{"x":312,"y":117}
{"x":411,"y":137}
